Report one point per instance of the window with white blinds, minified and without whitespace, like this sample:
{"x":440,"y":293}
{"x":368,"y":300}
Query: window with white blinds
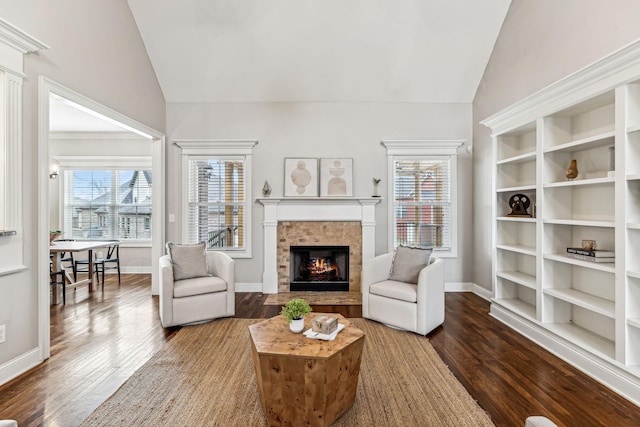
{"x":107,"y":204}
{"x":422,"y":202}
{"x":217,"y":202}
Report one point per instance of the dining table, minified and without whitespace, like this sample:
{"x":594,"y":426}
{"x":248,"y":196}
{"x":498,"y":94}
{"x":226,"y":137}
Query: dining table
{"x":57,"y":247}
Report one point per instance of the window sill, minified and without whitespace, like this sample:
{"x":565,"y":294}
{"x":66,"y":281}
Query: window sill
{"x":234,"y":254}
{"x":135,"y":244}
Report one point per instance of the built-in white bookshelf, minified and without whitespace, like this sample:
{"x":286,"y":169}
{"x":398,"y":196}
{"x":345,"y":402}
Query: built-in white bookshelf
{"x":587,"y":312}
{"x":516,"y":252}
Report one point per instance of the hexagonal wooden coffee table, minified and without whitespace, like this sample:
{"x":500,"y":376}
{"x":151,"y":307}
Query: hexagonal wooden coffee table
{"x":304,"y":381}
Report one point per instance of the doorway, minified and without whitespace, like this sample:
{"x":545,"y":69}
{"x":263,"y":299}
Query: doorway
{"x":51,"y":90}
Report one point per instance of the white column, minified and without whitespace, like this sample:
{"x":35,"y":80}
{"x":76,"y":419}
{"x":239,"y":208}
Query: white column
{"x":368,"y":228}
{"x":270,"y":227}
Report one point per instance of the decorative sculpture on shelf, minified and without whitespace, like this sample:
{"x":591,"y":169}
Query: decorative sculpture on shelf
{"x":519,"y":203}
{"x":572,"y":171}
{"x":266,"y":189}
{"x":376,"y":181}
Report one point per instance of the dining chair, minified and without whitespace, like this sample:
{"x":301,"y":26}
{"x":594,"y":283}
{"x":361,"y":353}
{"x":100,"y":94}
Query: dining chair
{"x":82,"y":266}
{"x":111,"y":262}
{"x":57,"y":278}
{"x":64,"y":258}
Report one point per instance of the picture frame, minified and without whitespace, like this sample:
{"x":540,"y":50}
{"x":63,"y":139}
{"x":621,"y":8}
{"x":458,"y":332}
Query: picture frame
{"x":300,"y":177}
{"x":336,"y":177}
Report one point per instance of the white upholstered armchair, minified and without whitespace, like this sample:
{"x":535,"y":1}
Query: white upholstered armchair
{"x":413,"y":307}
{"x":199,"y":298}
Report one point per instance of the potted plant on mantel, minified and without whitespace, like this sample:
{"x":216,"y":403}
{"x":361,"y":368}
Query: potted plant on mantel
{"x":294,"y":311}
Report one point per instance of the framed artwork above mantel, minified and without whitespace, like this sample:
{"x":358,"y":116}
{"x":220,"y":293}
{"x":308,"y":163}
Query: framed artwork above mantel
{"x":301,"y":177}
{"x":336,"y":177}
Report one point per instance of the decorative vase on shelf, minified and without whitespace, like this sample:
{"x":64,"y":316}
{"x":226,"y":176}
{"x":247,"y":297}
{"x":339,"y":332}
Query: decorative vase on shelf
{"x":572,"y":171}
{"x":296,"y":325}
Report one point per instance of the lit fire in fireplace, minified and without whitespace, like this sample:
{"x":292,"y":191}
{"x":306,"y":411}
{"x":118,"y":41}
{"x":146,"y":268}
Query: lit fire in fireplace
{"x":315,"y":268}
{"x":322,"y":269}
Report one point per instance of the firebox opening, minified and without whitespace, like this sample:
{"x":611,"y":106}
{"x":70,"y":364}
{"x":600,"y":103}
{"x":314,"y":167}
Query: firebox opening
{"x":319,"y":268}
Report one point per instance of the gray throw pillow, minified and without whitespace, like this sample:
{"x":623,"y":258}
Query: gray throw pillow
{"x":188,"y":261}
{"x":407,"y":263}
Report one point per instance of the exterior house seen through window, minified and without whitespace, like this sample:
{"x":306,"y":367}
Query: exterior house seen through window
{"x":216,"y":182}
{"x":422,"y":203}
{"x":217,"y":203}
{"x":107,"y":204}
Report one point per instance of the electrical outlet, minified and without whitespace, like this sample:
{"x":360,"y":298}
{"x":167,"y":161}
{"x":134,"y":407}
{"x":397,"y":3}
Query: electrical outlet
{"x":3,"y":333}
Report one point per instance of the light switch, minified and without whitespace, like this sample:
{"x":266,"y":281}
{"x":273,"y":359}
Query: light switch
{"x":172,"y":218}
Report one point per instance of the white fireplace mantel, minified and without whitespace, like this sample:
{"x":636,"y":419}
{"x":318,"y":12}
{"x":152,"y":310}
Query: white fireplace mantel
{"x":361,"y":209}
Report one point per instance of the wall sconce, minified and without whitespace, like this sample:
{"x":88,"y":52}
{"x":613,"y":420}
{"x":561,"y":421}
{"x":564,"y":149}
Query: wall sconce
{"x":55,"y":170}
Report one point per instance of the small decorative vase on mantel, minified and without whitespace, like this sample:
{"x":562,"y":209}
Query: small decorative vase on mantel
{"x":294,"y":312}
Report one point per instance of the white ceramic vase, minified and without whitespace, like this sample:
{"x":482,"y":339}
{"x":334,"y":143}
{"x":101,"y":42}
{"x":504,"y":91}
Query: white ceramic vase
{"x":296,"y":325}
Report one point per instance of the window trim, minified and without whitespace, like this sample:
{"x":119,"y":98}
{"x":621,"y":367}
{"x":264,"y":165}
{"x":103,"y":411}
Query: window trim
{"x":427,"y":149}
{"x":216,"y":148}
{"x":102,"y":163}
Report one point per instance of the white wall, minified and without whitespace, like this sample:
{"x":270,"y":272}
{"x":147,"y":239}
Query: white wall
{"x":321,"y":130}
{"x":540,"y":42}
{"x":96,"y":50}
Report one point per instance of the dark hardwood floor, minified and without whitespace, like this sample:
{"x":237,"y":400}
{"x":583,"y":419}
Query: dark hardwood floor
{"x":98,"y":340}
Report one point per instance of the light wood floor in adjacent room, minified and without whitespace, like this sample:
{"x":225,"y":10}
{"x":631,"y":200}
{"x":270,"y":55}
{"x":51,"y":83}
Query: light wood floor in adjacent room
{"x":98,"y":340}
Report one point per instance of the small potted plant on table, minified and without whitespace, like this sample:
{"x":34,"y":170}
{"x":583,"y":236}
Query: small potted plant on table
{"x":294,"y":311}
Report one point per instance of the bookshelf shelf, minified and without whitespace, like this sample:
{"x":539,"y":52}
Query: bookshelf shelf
{"x":634,"y":273}
{"x":602,"y":139}
{"x":521,"y":188}
{"x":581,"y":222}
{"x":521,"y":158}
{"x":635,"y":128}
{"x":515,"y":219}
{"x":584,"y":300}
{"x":634,"y":322}
{"x":520,"y":278}
{"x":521,"y":249}
{"x":518,"y":306}
{"x":578,"y":182}
{"x":606,"y":267}
{"x":584,"y":338}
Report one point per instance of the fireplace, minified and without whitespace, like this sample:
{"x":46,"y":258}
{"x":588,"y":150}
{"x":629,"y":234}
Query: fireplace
{"x":307,"y":221}
{"x":319,"y":268}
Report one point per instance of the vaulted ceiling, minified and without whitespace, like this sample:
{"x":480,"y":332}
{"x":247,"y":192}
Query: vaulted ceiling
{"x":319,"y":50}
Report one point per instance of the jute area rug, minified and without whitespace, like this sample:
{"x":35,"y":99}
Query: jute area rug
{"x":205,"y":376}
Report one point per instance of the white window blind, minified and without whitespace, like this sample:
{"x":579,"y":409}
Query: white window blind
{"x":422,"y":202}
{"x":107,"y":204}
{"x":217,"y":202}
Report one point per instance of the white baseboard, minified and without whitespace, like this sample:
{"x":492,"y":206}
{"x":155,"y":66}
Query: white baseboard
{"x":468,"y":287}
{"x":132,"y":269}
{"x":249,"y":287}
{"x":19,"y":365}
{"x":449,"y":287}
{"x":607,"y":373}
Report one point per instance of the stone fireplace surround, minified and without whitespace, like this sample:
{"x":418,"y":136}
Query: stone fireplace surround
{"x":319,"y":233}
{"x":316,"y":220}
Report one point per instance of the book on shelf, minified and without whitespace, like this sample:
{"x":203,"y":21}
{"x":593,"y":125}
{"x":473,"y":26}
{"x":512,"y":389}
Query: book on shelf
{"x":597,"y":253}
{"x":591,"y":258}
